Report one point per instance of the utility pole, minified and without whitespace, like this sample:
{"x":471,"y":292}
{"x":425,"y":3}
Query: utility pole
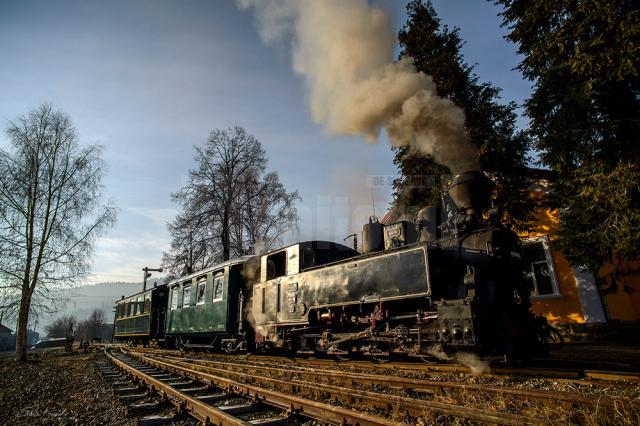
{"x":147,"y":274}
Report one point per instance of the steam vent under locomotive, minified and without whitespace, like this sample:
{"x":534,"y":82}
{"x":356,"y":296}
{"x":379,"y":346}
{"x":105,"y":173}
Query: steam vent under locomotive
{"x":450,"y":281}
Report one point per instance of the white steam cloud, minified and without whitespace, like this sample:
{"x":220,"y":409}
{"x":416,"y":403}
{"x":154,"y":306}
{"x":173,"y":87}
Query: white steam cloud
{"x":344,"y":51}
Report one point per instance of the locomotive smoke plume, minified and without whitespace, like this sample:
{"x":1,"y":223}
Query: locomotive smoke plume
{"x":344,"y":51}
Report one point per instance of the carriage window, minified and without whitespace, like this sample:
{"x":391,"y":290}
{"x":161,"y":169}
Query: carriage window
{"x":132,"y":308}
{"x":147,"y":303}
{"x":539,"y":267}
{"x":277,"y":265}
{"x":186,"y":295}
{"x":174,"y":298}
{"x":202,"y":285}
{"x":139,"y":304}
{"x":218,"y":287}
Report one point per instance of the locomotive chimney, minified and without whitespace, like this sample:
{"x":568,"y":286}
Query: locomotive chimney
{"x":470,"y":191}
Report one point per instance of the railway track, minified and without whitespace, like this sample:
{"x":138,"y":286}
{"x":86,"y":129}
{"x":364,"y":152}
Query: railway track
{"x":408,"y":398}
{"x":334,"y":404}
{"x":406,"y":385}
{"x":207,"y":398}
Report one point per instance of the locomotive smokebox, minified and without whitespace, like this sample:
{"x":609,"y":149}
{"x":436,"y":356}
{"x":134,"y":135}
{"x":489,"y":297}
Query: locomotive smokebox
{"x":372,"y":236}
{"x":470,"y":191}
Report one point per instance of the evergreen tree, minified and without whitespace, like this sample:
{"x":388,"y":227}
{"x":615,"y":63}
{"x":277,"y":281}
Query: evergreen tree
{"x":490,"y":124}
{"x":584,"y":59}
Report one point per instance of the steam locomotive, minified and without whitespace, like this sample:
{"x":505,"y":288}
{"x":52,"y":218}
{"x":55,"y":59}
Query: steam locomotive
{"x":450,"y":281}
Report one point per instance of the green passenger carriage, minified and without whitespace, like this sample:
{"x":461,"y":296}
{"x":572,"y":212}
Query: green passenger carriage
{"x":140,"y":318}
{"x":205,"y":309}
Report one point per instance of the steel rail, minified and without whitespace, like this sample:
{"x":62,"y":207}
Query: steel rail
{"x":571,"y":374}
{"x":205,"y":413}
{"x":544,"y":396}
{"x":378,"y":400}
{"x":577,"y":376}
{"x":295,"y":405}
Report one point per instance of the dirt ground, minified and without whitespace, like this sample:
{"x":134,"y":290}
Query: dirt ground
{"x":55,"y":388}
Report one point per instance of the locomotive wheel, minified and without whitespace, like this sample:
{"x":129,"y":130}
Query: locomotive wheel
{"x":428,"y":359}
{"x":380,"y":359}
{"x":554,"y":338}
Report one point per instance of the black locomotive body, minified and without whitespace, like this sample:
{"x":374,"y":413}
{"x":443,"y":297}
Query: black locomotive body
{"x":440,"y":289}
{"x":457,"y":294}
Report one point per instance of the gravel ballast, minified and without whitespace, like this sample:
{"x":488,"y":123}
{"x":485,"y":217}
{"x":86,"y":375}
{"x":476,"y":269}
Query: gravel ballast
{"x":59,"y":389}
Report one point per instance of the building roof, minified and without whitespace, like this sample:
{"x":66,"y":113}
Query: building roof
{"x":5,"y":330}
{"x":389,"y":217}
{"x":533,"y":173}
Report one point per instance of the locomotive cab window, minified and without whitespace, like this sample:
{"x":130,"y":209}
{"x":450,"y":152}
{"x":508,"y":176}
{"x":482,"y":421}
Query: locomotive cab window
{"x":186,"y":295}
{"x":218,"y":287}
{"x":174,"y":298}
{"x":202,"y":285}
{"x":539,"y":269}
{"x":277,"y":265}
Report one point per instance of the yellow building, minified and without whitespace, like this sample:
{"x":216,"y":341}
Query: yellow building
{"x":565,"y":293}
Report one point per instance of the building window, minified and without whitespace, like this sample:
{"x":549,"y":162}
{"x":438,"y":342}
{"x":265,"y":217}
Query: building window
{"x":174,"y":298}
{"x":218,"y":287}
{"x":539,"y":267}
{"x":186,"y":295}
{"x":202,"y":285}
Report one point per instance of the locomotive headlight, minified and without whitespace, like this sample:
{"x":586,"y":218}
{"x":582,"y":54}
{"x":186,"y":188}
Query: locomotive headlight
{"x":457,"y":333}
{"x":468,"y":331}
{"x":444,"y":331}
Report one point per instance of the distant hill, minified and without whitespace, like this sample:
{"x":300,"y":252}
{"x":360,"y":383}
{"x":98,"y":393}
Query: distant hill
{"x":83,"y":300}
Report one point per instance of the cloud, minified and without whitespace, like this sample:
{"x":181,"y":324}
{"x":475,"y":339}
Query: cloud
{"x":159,"y":215}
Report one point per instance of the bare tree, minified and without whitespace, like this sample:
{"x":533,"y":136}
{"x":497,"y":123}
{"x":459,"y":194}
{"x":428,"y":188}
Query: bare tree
{"x":62,"y":327}
{"x":193,"y":245}
{"x":229,"y":204}
{"x":50,"y":212}
{"x":93,"y":326}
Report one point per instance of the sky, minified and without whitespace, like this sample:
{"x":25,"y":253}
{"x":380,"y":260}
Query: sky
{"x":149,"y":79}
